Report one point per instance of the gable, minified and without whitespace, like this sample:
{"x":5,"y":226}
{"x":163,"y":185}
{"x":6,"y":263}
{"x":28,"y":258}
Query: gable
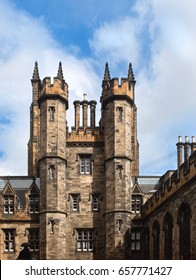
{"x":8,"y":190}
{"x":33,"y":189}
{"x":136,"y":190}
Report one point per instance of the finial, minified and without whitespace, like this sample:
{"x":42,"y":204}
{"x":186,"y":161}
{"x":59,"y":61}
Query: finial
{"x":36,"y":73}
{"x":107,"y":73}
{"x":131,"y":77}
{"x":60,"y":72}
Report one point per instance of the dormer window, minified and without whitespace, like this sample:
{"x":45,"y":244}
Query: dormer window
{"x":33,"y":199}
{"x":136,"y":200}
{"x":8,"y":204}
{"x":136,"y":203}
{"x":33,"y":204}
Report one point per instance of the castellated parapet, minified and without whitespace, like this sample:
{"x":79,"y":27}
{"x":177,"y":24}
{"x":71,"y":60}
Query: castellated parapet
{"x":175,"y":182}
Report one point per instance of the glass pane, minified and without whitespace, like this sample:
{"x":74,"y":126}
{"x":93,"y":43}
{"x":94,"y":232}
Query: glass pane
{"x":6,"y":209}
{"x":11,"y":209}
{"x":137,"y":245}
{"x":79,"y":235}
{"x":79,"y":245}
{"x":11,"y":246}
{"x":85,"y":235}
{"x":138,"y":235}
{"x":6,"y":246}
{"x":85,"y":247}
{"x":90,"y":235}
{"x":6,"y":236}
{"x":90,"y":245}
{"x":12,"y":236}
{"x":133,"y":236}
{"x":133,"y":246}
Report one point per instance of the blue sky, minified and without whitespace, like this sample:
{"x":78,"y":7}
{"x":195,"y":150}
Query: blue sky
{"x":158,"y":37}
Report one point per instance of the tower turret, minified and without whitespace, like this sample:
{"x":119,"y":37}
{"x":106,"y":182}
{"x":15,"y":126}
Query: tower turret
{"x":53,"y":103}
{"x":121,"y":157}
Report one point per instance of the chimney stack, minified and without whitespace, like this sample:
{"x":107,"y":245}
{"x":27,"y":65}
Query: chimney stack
{"x":84,"y":104}
{"x":186,"y":149}
{"x":77,"y":114}
{"x":193,"y":144}
{"x":179,"y":151}
{"x":93,"y":104}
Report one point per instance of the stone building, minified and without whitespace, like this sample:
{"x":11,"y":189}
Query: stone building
{"x":83,"y":197}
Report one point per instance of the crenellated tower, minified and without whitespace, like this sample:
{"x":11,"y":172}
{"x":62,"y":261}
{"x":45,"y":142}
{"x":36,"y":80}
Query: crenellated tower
{"x":53,"y":103}
{"x":119,"y":127}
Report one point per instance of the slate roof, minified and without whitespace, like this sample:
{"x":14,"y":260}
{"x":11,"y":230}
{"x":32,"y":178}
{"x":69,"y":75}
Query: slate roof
{"x":147,"y":184}
{"x":20,"y":184}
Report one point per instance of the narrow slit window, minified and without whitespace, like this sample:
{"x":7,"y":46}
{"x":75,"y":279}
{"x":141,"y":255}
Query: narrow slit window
{"x":120,"y":114}
{"x":51,"y":112}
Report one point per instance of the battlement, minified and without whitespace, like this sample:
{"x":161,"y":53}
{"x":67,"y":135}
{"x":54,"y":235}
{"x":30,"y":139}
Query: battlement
{"x":80,"y":136}
{"x":171,"y":182}
{"x":115,"y":88}
{"x":59,"y":87}
{"x":122,"y":88}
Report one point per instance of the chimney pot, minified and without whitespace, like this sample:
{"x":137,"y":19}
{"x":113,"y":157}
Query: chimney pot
{"x":179,"y":139}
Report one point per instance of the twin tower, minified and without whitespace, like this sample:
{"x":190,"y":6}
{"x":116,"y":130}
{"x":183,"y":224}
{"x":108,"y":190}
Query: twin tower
{"x":85,"y":175}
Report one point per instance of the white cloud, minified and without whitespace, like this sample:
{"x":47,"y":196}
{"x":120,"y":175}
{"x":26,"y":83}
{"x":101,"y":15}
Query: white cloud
{"x":25,"y":40}
{"x":159,"y":38}
{"x":165,"y":89}
{"x":116,"y":41}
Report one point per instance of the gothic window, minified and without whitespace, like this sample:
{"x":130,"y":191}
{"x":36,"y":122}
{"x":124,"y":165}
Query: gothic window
{"x":8,"y":204}
{"x":136,"y":203}
{"x":33,"y":204}
{"x":156,"y":240}
{"x":119,"y":113}
{"x":135,"y":240}
{"x":51,"y":112}
{"x":84,"y":240}
{"x":168,"y":232}
{"x":85,"y":164}
{"x":75,"y":199}
{"x":184,"y":216}
{"x":33,"y":239}
{"x":9,"y":240}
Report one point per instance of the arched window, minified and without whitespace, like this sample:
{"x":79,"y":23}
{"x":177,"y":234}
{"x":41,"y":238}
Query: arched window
{"x":156,"y":239}
{"x":168,"y":232}
{"x":184,"y":216}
